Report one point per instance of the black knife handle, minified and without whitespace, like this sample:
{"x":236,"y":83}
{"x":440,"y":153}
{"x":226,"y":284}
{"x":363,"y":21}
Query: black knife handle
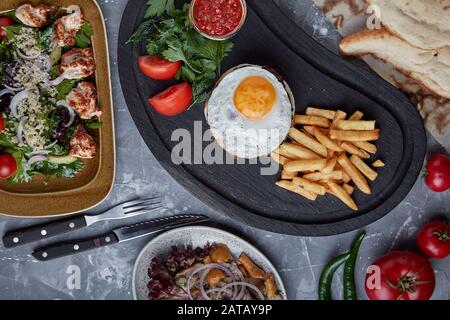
{"x":41,"y":232}
{"x":70,"y":248}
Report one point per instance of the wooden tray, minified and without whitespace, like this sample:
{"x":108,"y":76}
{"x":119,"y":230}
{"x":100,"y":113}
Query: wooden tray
{"x":317,"y":77}
{"x":93,"y":184}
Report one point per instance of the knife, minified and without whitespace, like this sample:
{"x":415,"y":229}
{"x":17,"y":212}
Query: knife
{"x":119,"y":235}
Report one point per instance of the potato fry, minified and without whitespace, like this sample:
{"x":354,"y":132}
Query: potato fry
{"x":358,"y":115}
{"x":310,"y":130}
{"x":358,"y":125}
{"x":299,"y":152}
{"x":331,"y":164}
{"x":340,"y":115}
{"x":378,"y":164}
{"x":296,"y":189}
{"x":364,"y":168}
{"x":305,"y":165}
{"x":367,"y":146}
{"x":329,"y":114}
{"x":309,"y":186}
{"x":353,"y":135}
{"x":308,"y":142}
{"x":312,"y":121}
{"x":278,"y":158}
{"x":288,"y":175}
{"x":317,"y":176}
{"x":348,"y":188}
{"x":352,"y":149}
{"x":343,"y":195}
{"x":283,"y":152}
{"x":325,"y":141}
{"x":354,"y":174}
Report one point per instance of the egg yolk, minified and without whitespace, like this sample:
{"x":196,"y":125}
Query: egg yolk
{"x":254,"y":97}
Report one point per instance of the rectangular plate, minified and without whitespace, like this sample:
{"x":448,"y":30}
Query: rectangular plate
{"x":92,"y":185}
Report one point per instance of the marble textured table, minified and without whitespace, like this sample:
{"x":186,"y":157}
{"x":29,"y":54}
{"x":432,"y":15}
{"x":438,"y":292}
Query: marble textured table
{"x":106,"y":273}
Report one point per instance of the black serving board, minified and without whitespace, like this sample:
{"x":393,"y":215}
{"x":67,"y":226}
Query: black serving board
{"x":317,"y":77}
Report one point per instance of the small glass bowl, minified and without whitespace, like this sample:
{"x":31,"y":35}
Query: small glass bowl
{"x":224,"y":37}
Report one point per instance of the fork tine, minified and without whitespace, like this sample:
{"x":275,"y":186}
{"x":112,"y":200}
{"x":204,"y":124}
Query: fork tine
{"x":142,"y":204}
{"x":139,"y":210}
{"x":128,"y":204}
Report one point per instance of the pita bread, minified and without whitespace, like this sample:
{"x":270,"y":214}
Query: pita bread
{"x":430,"y":68}
{"x":424,"y":24}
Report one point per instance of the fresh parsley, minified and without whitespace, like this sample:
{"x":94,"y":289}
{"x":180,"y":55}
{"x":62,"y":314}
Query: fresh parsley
{"x":83,"y":37}
{"x":49,"y":169}
{"x":169,"y":33}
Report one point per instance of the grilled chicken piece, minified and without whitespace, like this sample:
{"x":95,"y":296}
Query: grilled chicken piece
{"x":77,"y":63}
{"x":220,"y":253}
{"x":252,"y":269}
{"x":82,"y":145}
{"x":65,"y":28}
{"x":36,"y":17}
{"x":83,"y":99}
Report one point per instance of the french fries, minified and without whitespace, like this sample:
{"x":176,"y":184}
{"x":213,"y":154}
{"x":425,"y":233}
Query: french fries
{"x":364,"y":168}
{"x":329,"y":114}
{"x":325,"y":153}
{"x":354,"y":174}
{"x":308,"y":142}
{"x":312,"y":121}
{"x":357,"y":125}
{"x":354,"y":135}
{"x":305,"y":165}
{"x":378,"y":164}
{"x":296,"y":189}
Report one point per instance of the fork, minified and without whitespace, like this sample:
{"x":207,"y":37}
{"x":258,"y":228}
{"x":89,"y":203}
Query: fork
{"x":44,"y":231}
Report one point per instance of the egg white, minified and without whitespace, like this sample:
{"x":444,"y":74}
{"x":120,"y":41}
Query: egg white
{"x":239,"y":135}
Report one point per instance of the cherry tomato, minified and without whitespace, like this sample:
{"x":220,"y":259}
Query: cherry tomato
{"x":2,"y":123}
{"x":402,"y":276}
{"x":158,"y":68}
{"x":4,"y":22}
{"x":434,"y":240}
{"x":173,"y":100}
{"x":438,"y":172}
{"x":8,"y":165}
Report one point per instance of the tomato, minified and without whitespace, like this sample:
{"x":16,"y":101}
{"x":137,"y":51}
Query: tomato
{"x":173,"y":100}
{"x":8,"y":165}
{"x":434,"y":240}
{"x":438,"y":172}
{"x":2,"y":123}
{"x":4,"y":22}
{"x":403,"y":276}
{"x":158,"y":68}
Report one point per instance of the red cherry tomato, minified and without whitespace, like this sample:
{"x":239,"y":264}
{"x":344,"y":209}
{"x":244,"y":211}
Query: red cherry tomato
{"x":8,"y":165}
{"x":2,"y":123}
{"x":158,"y":68}
{"x":434,"y":240}
{"x":173,"y":100}
{"x":438,"y":172}
{"x":5,"y":22}
{"x":402,"y":276}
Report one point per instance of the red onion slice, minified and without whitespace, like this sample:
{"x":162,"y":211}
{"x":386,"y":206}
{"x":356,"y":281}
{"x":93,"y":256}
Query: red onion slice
{"x":25,"y":57}
{"x":245,"y":284}
{"x":35,"y":159}
{"x":6,"y":91}
{"x":50,"y":145}
{"x":16,"y":100}
{"x":13,"y":88}
{"x":63,"y":103}
{"x":57,"y":81}
{"x":19,"y":133}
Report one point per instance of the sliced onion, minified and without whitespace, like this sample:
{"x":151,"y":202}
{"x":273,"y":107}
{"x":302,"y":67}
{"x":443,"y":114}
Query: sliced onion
{"x":6,"y":91}
{"x":16,"y":100}
{"x":245,"y":284}
{"x":63,"y":103}
{"x":35,"y":159}
{"x":57,"y":81}
{"x":38,"y":153}
{"x":13,"y":88}
{"x":25,"y":57}
{"x":50,"y":145}
{"x":20,"y":130}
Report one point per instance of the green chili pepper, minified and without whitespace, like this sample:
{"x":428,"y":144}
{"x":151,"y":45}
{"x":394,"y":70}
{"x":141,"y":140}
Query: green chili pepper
{"x":326,"y":277}
{"x":349,"y":269}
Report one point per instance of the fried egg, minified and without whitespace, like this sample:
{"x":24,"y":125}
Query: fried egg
{"x":250,"y":111}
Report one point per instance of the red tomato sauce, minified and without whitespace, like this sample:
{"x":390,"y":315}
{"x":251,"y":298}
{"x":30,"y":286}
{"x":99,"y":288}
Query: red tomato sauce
{"x":217,"y":17}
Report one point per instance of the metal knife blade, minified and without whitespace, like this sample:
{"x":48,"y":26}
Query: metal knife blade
{"x":153,"y":226}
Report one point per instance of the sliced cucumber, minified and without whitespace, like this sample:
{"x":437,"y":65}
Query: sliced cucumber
{"x":62,"y":159}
